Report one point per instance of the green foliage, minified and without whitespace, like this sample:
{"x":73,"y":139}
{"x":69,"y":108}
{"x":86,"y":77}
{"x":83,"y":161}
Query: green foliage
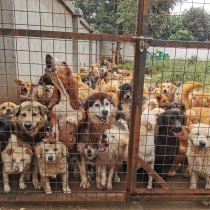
{"x":181,"y":35}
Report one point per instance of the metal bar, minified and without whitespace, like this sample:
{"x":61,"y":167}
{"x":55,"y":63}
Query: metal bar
{"x":138,"y":85}
{"x":101,"y":37}
{"x":173,"y":191}
{"x":65,"y":35}
{"x":151,"y":172}
{"x":185,"y":44}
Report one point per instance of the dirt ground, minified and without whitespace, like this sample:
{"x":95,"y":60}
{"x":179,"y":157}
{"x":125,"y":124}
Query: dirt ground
{"x":145,"y":205}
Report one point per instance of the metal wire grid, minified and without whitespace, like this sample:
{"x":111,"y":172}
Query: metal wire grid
{"x":119,"y":189}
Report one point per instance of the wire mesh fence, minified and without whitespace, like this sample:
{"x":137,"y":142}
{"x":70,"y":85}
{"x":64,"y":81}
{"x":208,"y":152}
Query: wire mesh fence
{"x":104,"y":100}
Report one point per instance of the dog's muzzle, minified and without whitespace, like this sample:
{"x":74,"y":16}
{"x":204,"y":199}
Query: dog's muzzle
{"x":28,"y":127}
{"x":202,"y":144}
{"x":104,"y":144}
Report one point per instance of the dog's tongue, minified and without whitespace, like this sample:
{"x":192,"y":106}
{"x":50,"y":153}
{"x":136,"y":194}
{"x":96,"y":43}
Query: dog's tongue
{"x":103,"y":145}
{"x":176,"y":134}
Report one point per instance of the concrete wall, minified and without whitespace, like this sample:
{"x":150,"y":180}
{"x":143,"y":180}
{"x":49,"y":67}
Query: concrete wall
{"x":127,"y":51}
{"x":24,"y":57}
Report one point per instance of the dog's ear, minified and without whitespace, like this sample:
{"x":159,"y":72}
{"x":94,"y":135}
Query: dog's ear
{"x":18,"y":81}
{"x":39,"y":151}
{"x":32,"y":84}
{"x":184,"y":119}
{"x":29,"y":152}
{"x":16,"y":110}
{"x":158,"y":97}
{"x":43,"y":109}
{"x":10,"y":151}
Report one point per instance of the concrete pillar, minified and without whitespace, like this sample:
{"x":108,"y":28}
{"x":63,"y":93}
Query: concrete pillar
{"x":8,"y":88}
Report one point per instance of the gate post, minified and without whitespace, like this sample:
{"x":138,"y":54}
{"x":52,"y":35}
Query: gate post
{"x":137,"y":97}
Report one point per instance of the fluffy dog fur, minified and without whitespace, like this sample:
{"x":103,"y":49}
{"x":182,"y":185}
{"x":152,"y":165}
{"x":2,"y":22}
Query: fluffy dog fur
{"x":168,"y":90}
{"x":100,"y":84}
{"x":88,"y":80}
{"x":198,"y":153}
{"x":7,"y":109}
{"x":167,"y":141}
{"x":52,"y":161}
{"x":101,"y":111}
{"x":16,"y":160}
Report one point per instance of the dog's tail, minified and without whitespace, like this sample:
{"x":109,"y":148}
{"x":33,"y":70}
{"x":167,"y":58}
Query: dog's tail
{"x":186,"y":89}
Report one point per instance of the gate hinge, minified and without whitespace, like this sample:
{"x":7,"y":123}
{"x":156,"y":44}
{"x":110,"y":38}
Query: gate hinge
{"x":144,"y":42}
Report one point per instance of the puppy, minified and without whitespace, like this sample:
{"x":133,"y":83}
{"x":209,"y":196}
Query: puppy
{"x":26,"y":87}
{"x":198,"y":153}
{"x":162,"y":100}
{"x":52,"y":160}
{"x":168,"y":90}
{"x":16,"y":160}
{"x":90,"y":152}
{"x":167,"y":141}
{"x":88,"y":80}
{"x":6,"y":128}
{"x":7,"y":109}
{"x":124,"y":106}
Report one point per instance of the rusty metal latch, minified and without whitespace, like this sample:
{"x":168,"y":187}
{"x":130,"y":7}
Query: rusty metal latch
{"x":144,"y":42}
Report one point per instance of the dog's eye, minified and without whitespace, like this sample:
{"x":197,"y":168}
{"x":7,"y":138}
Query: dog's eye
{"x":22,"y":160}
{"x":197,"y":134}
{"x":96,"y":105}
{"x":34,"y":114}
{"x":23,"y":115}
{"x":55,"y":149}
{"x":22,"y":85}
{"x":28,"y":85}
{"x":113,"y":137}
{"x":3,"y":107}
{"x":64,"y":63}
{"x":164,"y":86}
{"x":164,"y":101}
{"x":13,"y":160}
{"x":12,"y":106}
{"x":46,"y":150}
{"x":107,"y":104}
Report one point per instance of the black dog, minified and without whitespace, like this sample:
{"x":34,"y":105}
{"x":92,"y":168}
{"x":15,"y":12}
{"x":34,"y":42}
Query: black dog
{"x":175,"y":105}
{"x":6,"y":127}
{"x":167,"y":141}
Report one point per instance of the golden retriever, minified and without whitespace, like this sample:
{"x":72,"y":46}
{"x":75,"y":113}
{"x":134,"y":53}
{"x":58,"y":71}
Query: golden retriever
{"x":16,"y":160}
{"x":52,"y":160}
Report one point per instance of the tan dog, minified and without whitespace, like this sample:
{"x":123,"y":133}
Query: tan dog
{"x":7,"y":109}
{"x":100,"y":84}
{"x":26,"y":87}
{"x":52,"y":160}
{"x":198,"y":153}
{"x":16,"y":160}
{"x":168,"y":90}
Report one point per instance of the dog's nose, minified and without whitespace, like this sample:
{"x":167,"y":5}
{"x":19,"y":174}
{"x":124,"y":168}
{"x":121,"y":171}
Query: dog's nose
{"x":89,"y":151}
{"x":104,"y":136}
{"x":25,"y":89}
{"x":50,"y":158}
{"x":202,"y":143}
{"x":16,"y":169}
{"x":48,"y":56}
{"x":104,"y":112}
{"x":28,"y":125}
{"x":165,"y":91}
{"x":127,"y":96}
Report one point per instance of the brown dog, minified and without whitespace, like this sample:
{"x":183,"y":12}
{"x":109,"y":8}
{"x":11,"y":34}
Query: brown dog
{"x":7,"y":109}
{"x":26,"y":87}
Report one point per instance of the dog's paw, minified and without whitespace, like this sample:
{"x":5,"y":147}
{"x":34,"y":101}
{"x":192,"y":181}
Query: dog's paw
{"x":67,"y":190}
{"x":85,"y":184}
{"x":117,"y":178}
{"x":109,"y":187}
{"x":48,"y":192}
{"x":7,"y":188}
{"x":22,"y":186}
{"x":171,"y":173}
{"x":103,"y":186}
{"x":71,"y":120}
{"x":206,"y":203}
{"x":37,"y":185}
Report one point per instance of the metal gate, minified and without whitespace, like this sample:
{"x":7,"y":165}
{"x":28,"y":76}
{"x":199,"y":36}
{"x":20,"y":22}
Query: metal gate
{"x":142,"y":41}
